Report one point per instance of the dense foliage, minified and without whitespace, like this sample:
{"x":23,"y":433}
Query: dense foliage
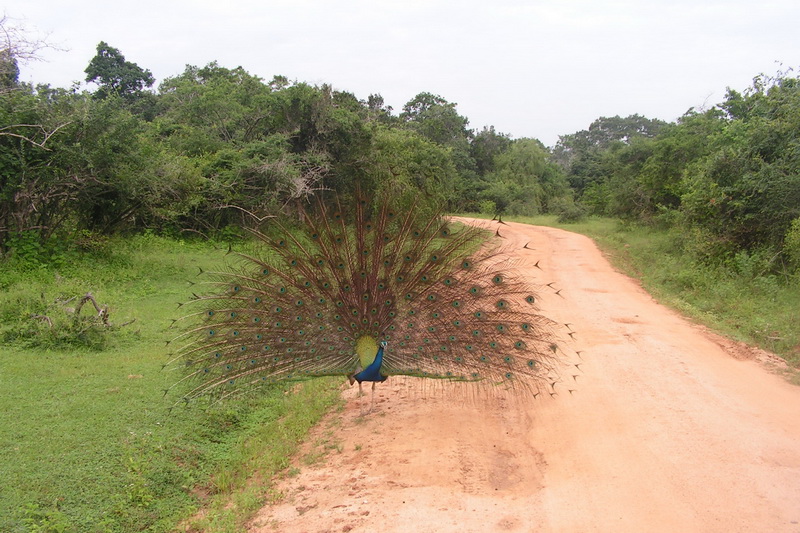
{"x":213,"y":146}
{"x":729,"y":176}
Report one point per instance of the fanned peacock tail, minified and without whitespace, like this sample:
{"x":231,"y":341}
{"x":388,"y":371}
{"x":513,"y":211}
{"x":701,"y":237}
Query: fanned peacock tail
{"x":318,"y":302}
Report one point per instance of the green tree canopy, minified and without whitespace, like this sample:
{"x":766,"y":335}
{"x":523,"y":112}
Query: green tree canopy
{"x":116,"y":76}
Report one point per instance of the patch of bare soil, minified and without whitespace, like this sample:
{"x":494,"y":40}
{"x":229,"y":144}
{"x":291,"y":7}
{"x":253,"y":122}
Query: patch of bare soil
{"x":670,"y":428}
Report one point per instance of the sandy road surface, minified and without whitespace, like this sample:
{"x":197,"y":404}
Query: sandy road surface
{"x":669,"y":430}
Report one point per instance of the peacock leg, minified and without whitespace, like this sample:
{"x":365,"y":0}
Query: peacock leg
{"x":372,"y":403}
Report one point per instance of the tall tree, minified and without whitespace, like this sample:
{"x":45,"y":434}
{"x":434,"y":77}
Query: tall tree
{"x":115,"y":75}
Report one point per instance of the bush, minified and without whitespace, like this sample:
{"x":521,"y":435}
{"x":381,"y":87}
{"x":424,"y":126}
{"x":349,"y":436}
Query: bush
{"x":791,"y":244}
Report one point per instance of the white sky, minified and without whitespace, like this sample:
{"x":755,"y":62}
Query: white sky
{"x":535,"y":68}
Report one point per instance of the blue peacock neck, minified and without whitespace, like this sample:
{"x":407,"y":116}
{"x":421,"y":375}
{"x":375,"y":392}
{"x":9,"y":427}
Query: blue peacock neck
{"x":373,"y":370}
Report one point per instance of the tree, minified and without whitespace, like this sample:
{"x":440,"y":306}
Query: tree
{"x":115,"y":75}
{"x":580,"y":153}
{"x":524,"y":181}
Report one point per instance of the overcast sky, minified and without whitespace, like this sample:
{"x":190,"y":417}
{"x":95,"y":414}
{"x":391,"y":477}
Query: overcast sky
{"x":536,"y":68}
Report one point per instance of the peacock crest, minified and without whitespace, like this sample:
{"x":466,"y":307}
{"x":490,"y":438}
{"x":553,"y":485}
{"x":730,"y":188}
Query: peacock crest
{"x":367,"y":293}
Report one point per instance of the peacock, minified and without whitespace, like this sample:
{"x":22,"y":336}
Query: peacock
{"x":366,"y":291}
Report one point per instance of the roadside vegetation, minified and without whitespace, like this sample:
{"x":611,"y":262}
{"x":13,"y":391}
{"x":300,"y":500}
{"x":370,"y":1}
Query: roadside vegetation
{"x":114,"y":195}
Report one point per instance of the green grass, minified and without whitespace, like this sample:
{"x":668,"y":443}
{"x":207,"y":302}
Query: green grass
{"x":87,"y":442}
{"x":738,"y":298}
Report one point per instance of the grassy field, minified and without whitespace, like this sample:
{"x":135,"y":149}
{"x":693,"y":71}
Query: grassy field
{"x":87,"y":441}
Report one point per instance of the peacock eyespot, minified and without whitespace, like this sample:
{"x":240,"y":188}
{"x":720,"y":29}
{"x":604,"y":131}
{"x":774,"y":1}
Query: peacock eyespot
{"x":210,"y":313}
{"x":507,"y":359}
{"x":469,"y":347}
{"x":474,"y":290}
{"x":278,"y":324}
{"x":466,"y":264}
{"x":282,"y":290}
{"x":431,"y":297}
{"x":509,"y":375}
{"x":525,"y":326}
{"x":211,"y":332}
{"x":457,"y":323}
{"x":531,"y":363}
{"x":448,"y":281}
{"x":298,"y":303}
{"x":434,"y":258}
{"x":519,"y":345}
{"x":265,"y":348}
{"x":498,"y":279}
{"x":478,"y":314}
{"x":501,"y":304}
{"x":431,"y":329}
{"x":492,"y":344}
{"x":257,"y":300}
{"x":456,"y":303}
{"x":265,"y":272}
{"x":530,"y":299}
{"x":235,"y":333}
{"x":501,"y":328}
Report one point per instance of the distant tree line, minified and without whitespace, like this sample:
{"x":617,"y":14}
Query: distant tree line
{"x":728,"y":177}
{"x":213,"y":146}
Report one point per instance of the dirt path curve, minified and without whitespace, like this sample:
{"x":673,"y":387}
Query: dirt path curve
{"x":668,"y":431}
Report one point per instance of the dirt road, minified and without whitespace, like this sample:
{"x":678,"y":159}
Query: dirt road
{"x":670,"y":429}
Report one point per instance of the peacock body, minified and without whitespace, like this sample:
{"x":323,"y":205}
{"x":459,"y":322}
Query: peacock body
{"x":367,"y":293}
